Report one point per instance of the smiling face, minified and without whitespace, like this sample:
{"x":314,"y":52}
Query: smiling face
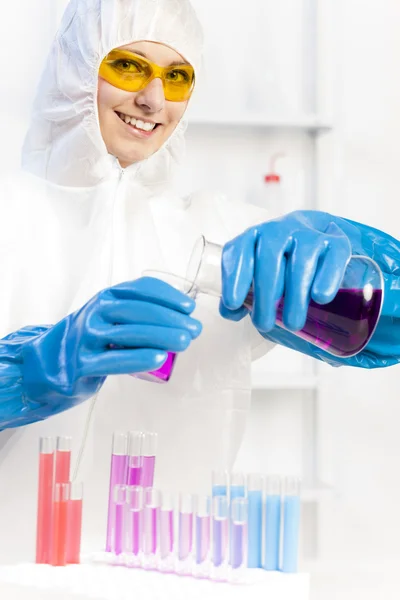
{"x":134,"y":125}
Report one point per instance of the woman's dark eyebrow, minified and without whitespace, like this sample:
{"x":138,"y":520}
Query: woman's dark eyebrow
{"x":179,"y":63}
{"x":175,"y":63}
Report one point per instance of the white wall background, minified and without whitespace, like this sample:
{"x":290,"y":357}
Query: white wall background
{"x":357,"y":412}
{"x":26,"y":29}
{"x":358,"y":85}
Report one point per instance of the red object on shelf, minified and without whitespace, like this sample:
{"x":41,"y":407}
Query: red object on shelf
{"x":272,"y":178}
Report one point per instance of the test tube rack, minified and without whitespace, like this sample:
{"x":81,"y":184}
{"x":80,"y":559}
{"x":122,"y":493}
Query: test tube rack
{"x":246,"y":522}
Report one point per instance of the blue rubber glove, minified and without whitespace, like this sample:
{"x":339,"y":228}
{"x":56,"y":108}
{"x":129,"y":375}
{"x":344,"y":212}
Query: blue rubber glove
{"x":300,"y":233}
{"x":288,"y":255}
{"x":124,"y":329}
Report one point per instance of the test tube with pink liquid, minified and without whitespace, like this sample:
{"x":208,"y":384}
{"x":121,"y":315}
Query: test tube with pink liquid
{"x":118,"y":475}
{"x":149,"y":451}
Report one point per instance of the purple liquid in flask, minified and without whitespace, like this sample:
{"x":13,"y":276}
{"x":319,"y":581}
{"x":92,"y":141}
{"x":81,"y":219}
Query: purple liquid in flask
{"x":161,"y":375}
{"x":343,"y":326}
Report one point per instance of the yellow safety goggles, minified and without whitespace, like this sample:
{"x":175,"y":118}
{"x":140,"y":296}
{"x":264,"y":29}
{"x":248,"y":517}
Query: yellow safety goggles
{"x":130,"y":72}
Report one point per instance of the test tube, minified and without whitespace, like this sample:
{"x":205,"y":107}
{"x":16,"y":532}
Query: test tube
{"x":167,"y":533}
{"x":118,"y":474}
{"x":133,"y":524}
{"x":272,"y":523}
{"x":60,"y":524}
{"x":45,"y":500}
{"x":203,"y":528}
{"x":185,"y":543}
{"x":63,"y":459}
{"x":255,"y":518}
{"x":238,"y":486}
{"x":135,"y":458}
{"x":149,"y":450}
{"x":220,"y":537}
{"x":151,"y":525}
{"x":119,"y":508}
{"x":220,"y":483}
{"x":238,"y":541}
{"x":202,"y":536}
{"x":291,"y":525}
{"x":74,"y":532}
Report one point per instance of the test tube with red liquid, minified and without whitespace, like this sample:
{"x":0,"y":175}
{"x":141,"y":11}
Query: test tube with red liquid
{"x":74,"y":532}
{"x":60,"y":524}
{"x":45,"y":500}
{"x":63,"y":459}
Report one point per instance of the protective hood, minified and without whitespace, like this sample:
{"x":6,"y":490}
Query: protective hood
{"x":64,"y":143}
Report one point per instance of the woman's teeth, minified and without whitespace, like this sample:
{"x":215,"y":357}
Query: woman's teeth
{"x":144,"y":126}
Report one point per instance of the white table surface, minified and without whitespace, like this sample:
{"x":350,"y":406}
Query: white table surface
{"x":102,"y":582}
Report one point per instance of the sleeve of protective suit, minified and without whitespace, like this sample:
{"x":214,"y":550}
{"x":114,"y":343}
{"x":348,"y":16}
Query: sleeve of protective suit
{"x":384,"y":348}
{"x":16,"y":409}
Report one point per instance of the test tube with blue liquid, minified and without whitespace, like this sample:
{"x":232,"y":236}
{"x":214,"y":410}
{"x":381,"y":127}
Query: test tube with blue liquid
{"x":237,"y":486}
{"x":167,"y":534}
{"x":220,"y":538}
{"x":272,"y":523}
{"x":151,"y":528}
{"x":220,"y":483}
{"x":133,"y":525}
{"x":185,"y":539}
{"x":238,"y":538}
{"x":255,"y":485}
{"x":291,"y":525}
{"x":201,"y":566}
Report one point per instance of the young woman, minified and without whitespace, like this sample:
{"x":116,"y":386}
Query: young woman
{"x":94,"y":208}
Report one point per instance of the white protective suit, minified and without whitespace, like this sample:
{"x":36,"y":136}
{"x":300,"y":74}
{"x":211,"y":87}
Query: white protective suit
{"x":76,"y":223}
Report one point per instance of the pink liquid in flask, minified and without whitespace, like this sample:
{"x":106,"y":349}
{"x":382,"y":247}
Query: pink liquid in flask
{"x":161,"y":375}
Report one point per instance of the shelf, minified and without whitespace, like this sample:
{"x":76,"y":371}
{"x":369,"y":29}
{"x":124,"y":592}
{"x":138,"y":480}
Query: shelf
{"x":311,"y":123}
{"x":356,"y":567}
{"x":316,"y":492}
{"x":282,"y":381}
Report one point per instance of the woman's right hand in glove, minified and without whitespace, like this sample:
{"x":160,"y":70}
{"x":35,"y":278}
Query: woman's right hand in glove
{"x":128,"y":328}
